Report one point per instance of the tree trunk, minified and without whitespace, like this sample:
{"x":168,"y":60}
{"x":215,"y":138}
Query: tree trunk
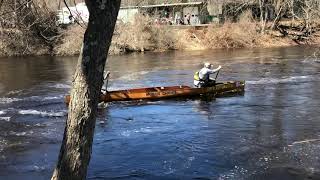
{"x":262,"y":18}
{"x":276,"y":20}
{"x":76,"y":146}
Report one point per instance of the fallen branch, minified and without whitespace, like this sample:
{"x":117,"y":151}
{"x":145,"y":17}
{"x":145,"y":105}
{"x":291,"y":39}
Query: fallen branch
{"x":52,"y":38}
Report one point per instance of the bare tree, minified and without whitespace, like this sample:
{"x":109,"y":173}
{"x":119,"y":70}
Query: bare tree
{"x":76,"y":146}
{"x":311,"y":14}
{"x":263,"y":15}
{"x":305,"y":15}
{"x":280,"y":7}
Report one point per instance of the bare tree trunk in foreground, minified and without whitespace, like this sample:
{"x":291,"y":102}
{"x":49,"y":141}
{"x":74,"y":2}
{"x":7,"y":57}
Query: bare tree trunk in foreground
{"x":76,"y":146}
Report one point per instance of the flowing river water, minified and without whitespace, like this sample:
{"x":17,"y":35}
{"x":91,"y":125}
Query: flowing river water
{"x":271,"y":132}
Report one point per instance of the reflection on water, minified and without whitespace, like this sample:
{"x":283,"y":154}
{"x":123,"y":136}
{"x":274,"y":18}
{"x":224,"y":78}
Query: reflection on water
{"x":270,"y":132}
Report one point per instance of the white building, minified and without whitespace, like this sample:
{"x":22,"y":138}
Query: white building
{"x":173,"y":12}
{"x":77,"y":13}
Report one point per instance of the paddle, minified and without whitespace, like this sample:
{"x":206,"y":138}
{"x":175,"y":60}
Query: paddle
{"x":217,"y":75}
{"x":106,"y":77}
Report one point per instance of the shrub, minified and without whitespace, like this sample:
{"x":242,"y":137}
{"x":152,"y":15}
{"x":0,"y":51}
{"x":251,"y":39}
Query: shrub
{"x":232,"y":35}
{"x":142,"y":35}
{"x":71,"y":41}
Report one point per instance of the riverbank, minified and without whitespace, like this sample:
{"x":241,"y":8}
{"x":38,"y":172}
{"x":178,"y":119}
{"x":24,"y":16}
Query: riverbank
{"x":146,"y":37}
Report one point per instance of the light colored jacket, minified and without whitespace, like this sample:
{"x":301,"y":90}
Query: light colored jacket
{"x":204,"y":75}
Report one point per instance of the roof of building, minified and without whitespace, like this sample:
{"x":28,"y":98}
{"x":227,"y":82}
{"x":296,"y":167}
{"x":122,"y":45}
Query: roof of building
{"x":163,"y":5}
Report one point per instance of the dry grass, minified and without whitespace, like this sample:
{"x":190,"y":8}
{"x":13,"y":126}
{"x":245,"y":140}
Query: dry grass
{"x":142,"y":35}
{"x":16,"y":43}
{"x":71,"y":42}
{"x":190,"y":39}
{"x":246,"y":17}
{"x":233,"y":35}
{"x":314,"y":40}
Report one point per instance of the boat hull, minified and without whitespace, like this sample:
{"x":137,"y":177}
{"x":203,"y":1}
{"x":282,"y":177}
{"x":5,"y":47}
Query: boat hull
{"x":156,"y":93}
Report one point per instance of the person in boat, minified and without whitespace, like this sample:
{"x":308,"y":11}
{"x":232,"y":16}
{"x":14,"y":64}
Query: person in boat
{"x":202,"y":77}
{"x":105,"y":82}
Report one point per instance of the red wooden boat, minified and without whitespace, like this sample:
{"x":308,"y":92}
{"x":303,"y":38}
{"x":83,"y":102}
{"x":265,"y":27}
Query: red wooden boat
{"x":156,"y":93}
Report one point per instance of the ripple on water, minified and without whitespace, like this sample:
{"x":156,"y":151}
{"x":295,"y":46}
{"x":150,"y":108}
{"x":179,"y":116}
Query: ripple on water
{"x":3,"y":144}
{"x":306,"y":152}
{"x":283,"y":80}
{"x":32,"y":168}
{"x":5,"y":100}
{"x":20,"y":133}
{"x":43,"y":113}
{"x":143,"y":130}
{"x":133,"y":76}
{"x":43,"y":98}
{"x":60,"y":86}
{"x":5,"y":118}
{"x":235,"y":173}
{"x":52,"y":98}
{"x":14,"y":92}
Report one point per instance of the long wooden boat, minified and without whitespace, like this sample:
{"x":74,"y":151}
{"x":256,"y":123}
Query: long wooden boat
{"x":154,"y":93}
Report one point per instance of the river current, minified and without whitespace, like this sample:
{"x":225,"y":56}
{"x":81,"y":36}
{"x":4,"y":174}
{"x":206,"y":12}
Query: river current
{"x":270,"y":132}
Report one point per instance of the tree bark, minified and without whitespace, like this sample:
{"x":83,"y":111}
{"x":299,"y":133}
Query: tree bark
{"x":76,"y":146}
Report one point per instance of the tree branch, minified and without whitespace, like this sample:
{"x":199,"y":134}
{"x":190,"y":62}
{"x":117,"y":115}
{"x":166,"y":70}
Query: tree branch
{"x":65,"y":3}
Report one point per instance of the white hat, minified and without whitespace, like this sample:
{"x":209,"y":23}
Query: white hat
{"x":207,"y":65}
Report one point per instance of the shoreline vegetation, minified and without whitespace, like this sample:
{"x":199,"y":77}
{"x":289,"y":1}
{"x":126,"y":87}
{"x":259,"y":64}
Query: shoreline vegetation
{"x":143,"y":35}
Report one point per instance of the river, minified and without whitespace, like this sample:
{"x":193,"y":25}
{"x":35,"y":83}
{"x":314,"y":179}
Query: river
{"x":270,"y":132}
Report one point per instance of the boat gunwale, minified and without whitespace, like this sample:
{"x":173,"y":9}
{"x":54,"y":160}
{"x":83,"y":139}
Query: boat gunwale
{"x":181,"y":87}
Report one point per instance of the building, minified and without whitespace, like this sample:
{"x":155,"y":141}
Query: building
{"x":188,"y":13}
{"x":68,"y":15}
{"x":178,"y":12}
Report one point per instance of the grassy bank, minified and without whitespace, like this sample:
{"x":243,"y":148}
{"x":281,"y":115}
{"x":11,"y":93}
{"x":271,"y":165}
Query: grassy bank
{"x":144,"y":36}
